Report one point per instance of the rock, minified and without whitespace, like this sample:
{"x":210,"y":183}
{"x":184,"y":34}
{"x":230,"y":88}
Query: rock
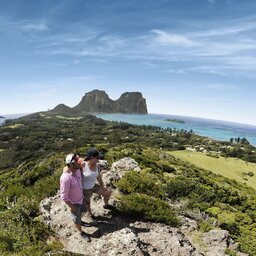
{"x":216,"y":241}
{"x":188,"y":225}
{"x":160,"y":239}
{"x":131,"y":102}
{"x":124,"y":165}
{"x":118,"y":235}
{"x":97,"y":101}
{"x":118,"y":169}
{"x":122,"y":242}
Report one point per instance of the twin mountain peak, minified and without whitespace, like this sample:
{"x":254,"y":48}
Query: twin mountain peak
{"x":98,"y":101}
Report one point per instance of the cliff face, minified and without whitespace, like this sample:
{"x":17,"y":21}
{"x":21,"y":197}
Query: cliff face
{"x":131,"y":102}
{"x":95,"y":101}
{"x":98,"y":101}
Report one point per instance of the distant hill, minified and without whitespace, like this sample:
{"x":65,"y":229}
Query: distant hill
{"x":97,"y":101}
{"x":62,"y":108}
{"x":2,"y":117}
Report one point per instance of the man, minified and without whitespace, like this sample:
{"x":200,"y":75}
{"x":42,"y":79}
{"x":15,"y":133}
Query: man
{"x":71,"y":192}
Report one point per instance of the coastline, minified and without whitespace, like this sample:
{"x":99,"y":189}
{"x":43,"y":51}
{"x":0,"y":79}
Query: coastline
{"x":214,"y":129}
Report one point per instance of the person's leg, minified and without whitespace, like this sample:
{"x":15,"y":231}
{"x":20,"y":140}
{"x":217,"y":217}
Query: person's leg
{"x":102,"y":192}
{"x":76,"y":218}
{"x":77,"y":221}
{"x":78,"y":227}
{"x":106,"y":196}
{"x":87,"y":200}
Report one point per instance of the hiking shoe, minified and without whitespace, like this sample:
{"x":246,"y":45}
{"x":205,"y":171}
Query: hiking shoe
{"x":85,"y":224}
{"x":85,"y":237}
{"x":108,"y":207}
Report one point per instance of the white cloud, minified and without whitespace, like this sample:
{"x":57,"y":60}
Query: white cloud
{"x":213,"y":49}
{"x":172,"y":39}
{"x":225,"y":31}
{"x":210,"y":69}
{"x":177,"y":71}
{"x":147,"y":64}
{"x":34,"y":26}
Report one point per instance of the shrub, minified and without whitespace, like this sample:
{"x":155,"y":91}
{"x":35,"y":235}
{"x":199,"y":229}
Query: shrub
{"x":152,"y":209}
{"x":141,"y":182}
{"x":248,"y":239}
{"x":214,"y":211}
{"x":179,"y":187}
{"x":230,"y":252}
{"x":204,"y":226}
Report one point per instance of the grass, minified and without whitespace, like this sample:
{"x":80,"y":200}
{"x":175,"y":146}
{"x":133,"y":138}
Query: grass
{"x":228,"y":167}
{"x":15,"y":126}
{"x":69,"y":118}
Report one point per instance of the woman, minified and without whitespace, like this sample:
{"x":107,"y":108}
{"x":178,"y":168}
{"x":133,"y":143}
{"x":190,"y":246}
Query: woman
{"x":91,"y":173}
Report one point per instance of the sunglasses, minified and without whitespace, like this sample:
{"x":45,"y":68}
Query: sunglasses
{"x":96,"y":157}
{"x":74,"y":159}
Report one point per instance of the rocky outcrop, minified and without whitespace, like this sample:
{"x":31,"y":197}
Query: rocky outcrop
{"x":95,"y":101}
{"x":115,"y":234}
{"x":98,"y":101}
{"x":131,"y":102}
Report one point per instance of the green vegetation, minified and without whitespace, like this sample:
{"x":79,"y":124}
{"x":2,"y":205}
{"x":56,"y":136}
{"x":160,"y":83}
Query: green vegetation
{"x":229,"y":204}
{"x":32,"y":159}
{"x":232,"y":168}
{"x":152,"y":209}
{"x":175,"y":121}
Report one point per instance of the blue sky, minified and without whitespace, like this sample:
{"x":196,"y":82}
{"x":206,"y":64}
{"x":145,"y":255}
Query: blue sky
{"x":187,"y":57}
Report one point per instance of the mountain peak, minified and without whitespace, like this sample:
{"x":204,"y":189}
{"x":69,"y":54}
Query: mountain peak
{"x":97,"y":101}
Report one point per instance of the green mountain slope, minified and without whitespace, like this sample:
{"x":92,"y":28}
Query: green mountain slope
{"x":32,"y":157}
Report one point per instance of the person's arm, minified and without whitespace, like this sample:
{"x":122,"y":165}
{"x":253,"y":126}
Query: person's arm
{"x":65,"y":169}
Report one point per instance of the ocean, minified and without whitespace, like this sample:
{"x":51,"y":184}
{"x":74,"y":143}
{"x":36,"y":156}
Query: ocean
{"x":11,"y":116}
{"x":215,"y":129}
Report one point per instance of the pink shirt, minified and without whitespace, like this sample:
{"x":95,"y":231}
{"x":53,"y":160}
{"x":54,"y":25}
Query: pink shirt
{"x":71,"y":187}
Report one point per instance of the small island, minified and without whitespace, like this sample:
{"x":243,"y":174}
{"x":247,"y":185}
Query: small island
{"x":2,"y":117}
{"x":175,"y":121}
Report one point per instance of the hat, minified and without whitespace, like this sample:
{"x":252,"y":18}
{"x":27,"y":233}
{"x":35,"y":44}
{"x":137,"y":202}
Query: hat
{"x":93,"y":152}
{"x":71,"y":158}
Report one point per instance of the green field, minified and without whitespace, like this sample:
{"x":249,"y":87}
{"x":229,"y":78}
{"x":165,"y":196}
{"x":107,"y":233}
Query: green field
{"x":229,"y":167}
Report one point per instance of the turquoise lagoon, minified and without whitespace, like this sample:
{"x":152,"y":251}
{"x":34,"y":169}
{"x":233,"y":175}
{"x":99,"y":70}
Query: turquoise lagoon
{"x":215,"y":129}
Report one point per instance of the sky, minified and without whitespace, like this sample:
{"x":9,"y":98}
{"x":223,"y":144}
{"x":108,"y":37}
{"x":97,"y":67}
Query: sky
{"x":187,"y":57}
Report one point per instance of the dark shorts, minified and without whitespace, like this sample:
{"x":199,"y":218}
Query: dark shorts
{"x":88,"y":192}
{"x":76,"y":216}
